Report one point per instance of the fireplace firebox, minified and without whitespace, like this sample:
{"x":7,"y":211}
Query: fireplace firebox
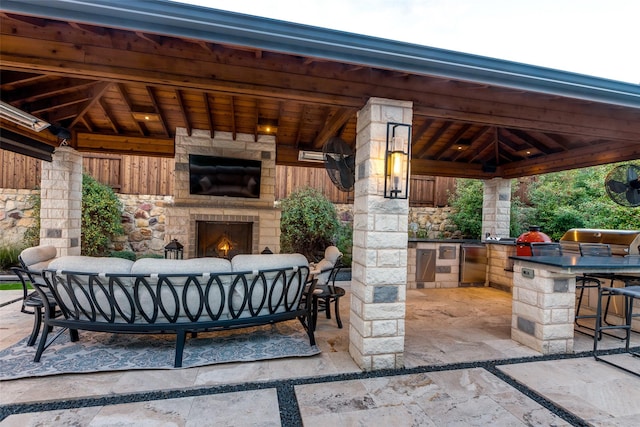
{"x":223,"y":239}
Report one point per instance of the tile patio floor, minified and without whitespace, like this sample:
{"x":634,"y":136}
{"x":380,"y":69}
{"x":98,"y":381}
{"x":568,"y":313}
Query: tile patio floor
{"x":461,"y":369}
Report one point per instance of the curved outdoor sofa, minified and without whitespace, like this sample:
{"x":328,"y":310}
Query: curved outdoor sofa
{"x":175,"y":296}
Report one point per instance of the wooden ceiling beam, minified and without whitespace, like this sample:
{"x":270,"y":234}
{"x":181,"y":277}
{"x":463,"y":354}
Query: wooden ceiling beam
{"x":44,"y":106}
{"x":474,"y":138}
{"x":611,"y":152}
{"x":125,"y":98}
{"x":521,"y":111}
{"x":13,"y":80}
{"x":451,"y":142}
{"x":233,"y":118}
{"x":434,"y":138}
{"x":107,"y":113}
{"x":209,"y":112}
{"x":158,"y":147}
{"x":183,"y":111}
{"x":336,"y":118}
{"x":528,"y":139}
{"x":46,"y":88}
{"x":156,"y":106}
{"x":98,"y":91}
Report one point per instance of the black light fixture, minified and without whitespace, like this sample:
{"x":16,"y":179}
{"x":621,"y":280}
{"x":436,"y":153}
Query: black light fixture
{"x":174,"y":250}
{"x":397,"y":155}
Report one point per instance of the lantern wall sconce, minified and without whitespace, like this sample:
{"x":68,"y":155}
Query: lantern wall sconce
{"x":174,"y":250}
{"x":397,"y":155}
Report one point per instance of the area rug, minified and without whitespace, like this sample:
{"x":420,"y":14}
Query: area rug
{"x":98,"y":352}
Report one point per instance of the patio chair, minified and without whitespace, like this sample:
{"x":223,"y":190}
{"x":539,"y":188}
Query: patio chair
{"x":32,"y":262}
{"x":326,"y":292}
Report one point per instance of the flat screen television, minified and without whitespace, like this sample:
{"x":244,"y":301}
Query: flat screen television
{"x":224,"y":176}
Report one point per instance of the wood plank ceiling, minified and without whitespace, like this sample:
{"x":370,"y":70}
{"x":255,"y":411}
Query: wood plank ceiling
{"x":124,"y":91}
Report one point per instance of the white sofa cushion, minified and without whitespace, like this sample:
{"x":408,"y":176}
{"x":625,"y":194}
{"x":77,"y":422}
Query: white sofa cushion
{"x":100,"y":265}
{"x":89,"y":264}
{"x":194,"y":266}
{"x":38,"y":258}
{"x":253,"y":263}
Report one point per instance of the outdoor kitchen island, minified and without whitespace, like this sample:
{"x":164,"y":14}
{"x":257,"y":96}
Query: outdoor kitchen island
{"x":544,"y":296}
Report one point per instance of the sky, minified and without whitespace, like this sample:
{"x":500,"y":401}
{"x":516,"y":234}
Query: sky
{"x":594,"y":37}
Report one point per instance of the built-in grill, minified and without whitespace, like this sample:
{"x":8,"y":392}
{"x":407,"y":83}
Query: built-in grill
{"x":622,"y":242}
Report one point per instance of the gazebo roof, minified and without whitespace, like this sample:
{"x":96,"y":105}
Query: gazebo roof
{"x":122,"y":78}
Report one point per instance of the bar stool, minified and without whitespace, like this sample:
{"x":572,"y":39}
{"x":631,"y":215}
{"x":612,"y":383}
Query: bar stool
{"x":589,"y":281}
{"x":629,"y":294}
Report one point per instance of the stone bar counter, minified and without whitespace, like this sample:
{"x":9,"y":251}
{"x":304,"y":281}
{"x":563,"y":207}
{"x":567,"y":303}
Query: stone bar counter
{"x":544,"y":290}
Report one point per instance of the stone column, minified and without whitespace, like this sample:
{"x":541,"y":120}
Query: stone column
{"x":543,"y":308}
{"x":61,"y":201}
{"x":496,"y":207}
{"x":379,"y":269}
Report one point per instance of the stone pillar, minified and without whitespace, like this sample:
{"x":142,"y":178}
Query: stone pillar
{"x":61,"y":201}
{"x":379,"y":269}
{"x":543,"y":308}
{"x":496,"y":207}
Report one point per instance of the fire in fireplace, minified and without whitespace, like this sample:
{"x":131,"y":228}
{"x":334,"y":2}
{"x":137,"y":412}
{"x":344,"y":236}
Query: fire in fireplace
{"x":223,"y":239}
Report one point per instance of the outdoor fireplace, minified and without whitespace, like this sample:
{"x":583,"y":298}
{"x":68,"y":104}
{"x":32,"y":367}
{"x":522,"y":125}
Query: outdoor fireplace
{"x":223,"y":239}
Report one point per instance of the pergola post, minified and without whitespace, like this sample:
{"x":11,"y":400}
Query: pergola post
{"x":61,"y":201}
{"x":379,"y":269}
{"x":496,"y":208}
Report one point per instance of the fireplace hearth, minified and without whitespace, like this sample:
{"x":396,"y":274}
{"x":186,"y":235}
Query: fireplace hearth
{"x":223,"y":239}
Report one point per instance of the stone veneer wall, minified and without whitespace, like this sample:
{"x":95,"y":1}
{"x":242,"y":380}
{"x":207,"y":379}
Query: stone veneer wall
{"x":186,"y":209}
{"x":143,"y":220}
{"x":500,"y":267}
{"x":16,"y":215}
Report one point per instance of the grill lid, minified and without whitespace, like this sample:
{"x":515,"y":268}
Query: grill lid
{"x":623,"y":242}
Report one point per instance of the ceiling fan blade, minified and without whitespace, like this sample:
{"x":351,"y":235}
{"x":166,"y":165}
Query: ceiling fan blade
{"x":346,"y":174}
{"x":633,"y":196}
{"x":617,"y":186}
{"x":632,"y":175}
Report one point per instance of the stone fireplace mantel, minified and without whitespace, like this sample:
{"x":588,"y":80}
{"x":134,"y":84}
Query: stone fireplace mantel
{"x":188,"y":209}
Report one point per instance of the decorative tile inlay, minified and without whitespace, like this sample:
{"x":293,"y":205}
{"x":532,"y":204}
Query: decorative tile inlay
{"x":385,"y":294}
{"x":526,"y":326}
{"x":561,"y":285}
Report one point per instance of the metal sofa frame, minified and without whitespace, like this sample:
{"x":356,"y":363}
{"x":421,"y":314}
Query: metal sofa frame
{"x":121,"y":303}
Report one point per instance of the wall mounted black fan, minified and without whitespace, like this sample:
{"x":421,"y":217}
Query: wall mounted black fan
{"x":623,"y":185}
{"x":340,"y":161}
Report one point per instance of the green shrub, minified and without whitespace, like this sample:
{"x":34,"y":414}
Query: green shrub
{"x":32,"y":234}
{"x":308,"y":224}
{"x":130,"y":255}
{"x":101,"y":217}
{"x":467,"y":204}
{"x":344,"y":242}
{"x":9,"y":257}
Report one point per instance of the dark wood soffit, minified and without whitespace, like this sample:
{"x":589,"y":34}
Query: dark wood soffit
{"x":125,"y":57}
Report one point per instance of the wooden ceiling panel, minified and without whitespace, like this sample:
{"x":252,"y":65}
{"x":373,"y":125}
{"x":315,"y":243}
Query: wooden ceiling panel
{"x":103,"y":82}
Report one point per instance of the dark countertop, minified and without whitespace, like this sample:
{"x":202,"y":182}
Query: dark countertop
{"x":586,"y":263}
{"x":424,"y":240}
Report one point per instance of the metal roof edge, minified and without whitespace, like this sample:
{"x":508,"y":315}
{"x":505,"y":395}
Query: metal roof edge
{"x":213,"y":25}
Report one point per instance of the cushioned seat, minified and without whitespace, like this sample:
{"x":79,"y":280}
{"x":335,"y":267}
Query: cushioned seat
{"x":326,"y":292}
{"x":32,"y":262}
